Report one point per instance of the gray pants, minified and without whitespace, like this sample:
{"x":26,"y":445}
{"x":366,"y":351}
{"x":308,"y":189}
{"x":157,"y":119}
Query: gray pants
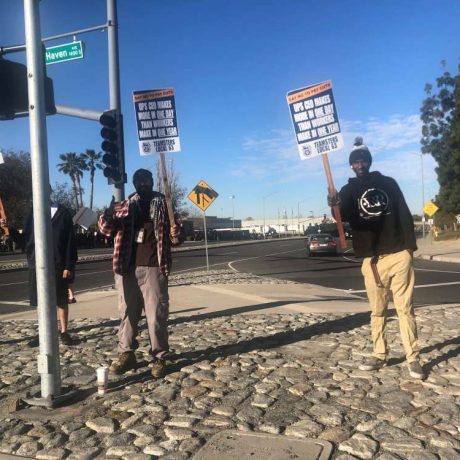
{"x":143,"y":288}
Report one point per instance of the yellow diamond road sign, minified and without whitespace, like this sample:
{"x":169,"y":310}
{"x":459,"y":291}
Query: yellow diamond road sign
{"x":430,"y":208}
{"x":202,"y":195}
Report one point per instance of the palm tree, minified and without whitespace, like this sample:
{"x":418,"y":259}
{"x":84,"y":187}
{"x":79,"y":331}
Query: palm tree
{"x":73,"y":165}
{"x":93,"y":162}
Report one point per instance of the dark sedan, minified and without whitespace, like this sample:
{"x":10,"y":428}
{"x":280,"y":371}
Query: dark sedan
{"x":321,"y":244}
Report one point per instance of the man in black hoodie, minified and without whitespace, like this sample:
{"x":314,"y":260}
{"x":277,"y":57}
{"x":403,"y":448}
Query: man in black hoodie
{"x":65,"y":259}
{"x":383,"y":234}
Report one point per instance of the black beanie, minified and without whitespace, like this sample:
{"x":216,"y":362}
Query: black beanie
{"x":142,"y":172}
{"x":360,"y":151}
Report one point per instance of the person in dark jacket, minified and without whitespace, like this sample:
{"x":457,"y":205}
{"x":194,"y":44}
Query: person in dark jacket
{"x":65,"y":258}
{"x":383,"y":234}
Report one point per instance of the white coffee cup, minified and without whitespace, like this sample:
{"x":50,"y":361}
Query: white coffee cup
{"x":102,"y":379}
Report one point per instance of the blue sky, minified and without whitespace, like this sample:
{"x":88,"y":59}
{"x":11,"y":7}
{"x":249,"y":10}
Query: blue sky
{"x":231,"y":64}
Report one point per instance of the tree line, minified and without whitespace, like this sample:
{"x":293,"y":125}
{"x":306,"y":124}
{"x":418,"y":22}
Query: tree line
{"x":440,"y":115}
{"x":16,"y":183}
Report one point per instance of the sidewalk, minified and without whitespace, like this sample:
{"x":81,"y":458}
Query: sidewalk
{"x":252,"y":355}
{"x":440,"y":251}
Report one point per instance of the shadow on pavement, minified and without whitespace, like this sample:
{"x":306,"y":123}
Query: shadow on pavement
{"x":253,"y":308}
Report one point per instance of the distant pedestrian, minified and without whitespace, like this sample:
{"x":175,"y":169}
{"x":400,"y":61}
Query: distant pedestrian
{"x":383,"y":233}
{"x":141,"y":262}
{"x":65,"y":258}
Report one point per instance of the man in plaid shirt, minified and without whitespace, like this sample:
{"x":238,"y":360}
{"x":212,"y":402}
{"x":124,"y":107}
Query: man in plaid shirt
{"x":141,"y":262}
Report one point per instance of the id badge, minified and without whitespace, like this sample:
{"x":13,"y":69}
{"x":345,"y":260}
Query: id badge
{"x":140,"y":236}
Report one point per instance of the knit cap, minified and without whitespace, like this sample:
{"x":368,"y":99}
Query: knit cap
{"x":360,"y":151}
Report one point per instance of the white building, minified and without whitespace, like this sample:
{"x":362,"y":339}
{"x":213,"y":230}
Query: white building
{"x":282,"y":225}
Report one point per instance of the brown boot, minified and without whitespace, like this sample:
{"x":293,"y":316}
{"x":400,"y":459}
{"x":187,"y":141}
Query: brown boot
{"x":126,"y":361}
{"x":158,"y":368}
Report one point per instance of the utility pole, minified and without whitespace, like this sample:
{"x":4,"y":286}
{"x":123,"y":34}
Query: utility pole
{"x":114,"y":85}
{"x":48,"y":358}
{"x":423,"y":197}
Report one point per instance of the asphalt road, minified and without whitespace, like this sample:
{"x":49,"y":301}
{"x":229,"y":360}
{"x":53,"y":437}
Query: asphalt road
{"x":436,"y":282}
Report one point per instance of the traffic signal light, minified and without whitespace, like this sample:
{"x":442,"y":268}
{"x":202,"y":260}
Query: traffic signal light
{"x":14,"y":96}
{"x":112,"y":146}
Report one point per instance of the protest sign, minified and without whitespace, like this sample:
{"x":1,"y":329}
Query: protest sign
{"x":156,"y":121}
{"x":315,"y":120}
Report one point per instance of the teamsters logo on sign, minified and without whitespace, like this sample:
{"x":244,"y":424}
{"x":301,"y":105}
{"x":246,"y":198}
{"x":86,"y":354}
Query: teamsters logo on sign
{"x":315,"y":120}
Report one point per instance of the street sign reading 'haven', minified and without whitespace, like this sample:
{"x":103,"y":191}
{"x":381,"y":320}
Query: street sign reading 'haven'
{"x":64,"y":52}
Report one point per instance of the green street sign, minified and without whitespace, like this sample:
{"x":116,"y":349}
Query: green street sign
{"x":62,"y":53}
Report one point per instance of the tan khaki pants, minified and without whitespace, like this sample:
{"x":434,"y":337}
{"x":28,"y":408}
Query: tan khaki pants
{"x":143,"y":288}
{"x":397,"y":275}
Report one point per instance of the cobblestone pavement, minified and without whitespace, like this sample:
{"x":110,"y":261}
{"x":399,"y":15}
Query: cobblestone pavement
{"x":289,"y":374}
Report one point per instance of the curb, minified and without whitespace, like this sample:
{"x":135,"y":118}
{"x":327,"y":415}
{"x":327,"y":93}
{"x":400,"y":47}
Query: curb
{"x":436,"y":258}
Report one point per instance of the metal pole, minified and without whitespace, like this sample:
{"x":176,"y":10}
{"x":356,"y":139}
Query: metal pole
{"x":16,"y":48}
{"x":298,"y":217}
{"x":206,"y":240}
{"x":263,"y":208}
{"x":87,"y":114}
{"x":423,"y":198}
{"x":114,"y":78}
{"x":48,"y":359}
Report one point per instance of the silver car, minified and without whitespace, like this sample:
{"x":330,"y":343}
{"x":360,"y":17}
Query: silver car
{"x":322,"y":243}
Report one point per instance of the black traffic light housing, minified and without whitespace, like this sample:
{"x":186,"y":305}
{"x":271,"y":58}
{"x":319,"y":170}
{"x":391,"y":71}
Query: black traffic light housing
{"x":112,"y":146}
{"x":14,"y":96}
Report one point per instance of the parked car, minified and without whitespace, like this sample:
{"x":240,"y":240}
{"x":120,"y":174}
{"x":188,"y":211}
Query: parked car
{"x":321,"y":244}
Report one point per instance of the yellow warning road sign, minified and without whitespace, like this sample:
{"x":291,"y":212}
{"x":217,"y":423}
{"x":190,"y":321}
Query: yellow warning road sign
{"x":430,"y":208}
{"x":202,"y":195}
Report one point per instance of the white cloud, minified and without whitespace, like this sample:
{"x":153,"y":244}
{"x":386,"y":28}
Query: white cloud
{"x":275,"y":156}
{"x":396,"y":132}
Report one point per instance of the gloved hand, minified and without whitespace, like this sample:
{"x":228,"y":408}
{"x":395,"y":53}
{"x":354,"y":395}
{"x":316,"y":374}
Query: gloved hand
{"x":333,"y":199}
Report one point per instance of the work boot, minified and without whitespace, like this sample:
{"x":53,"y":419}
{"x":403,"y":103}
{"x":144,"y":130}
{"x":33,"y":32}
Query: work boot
{"x":158,"y":368}
{"x":372,"y":364}
{"x":66,"y":339}
{"x":416,"y":370}
{"x":126,"y":362}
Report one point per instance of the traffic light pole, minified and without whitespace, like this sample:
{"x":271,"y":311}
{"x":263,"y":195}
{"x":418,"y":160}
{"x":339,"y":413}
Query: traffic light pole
{"x":114,"y":84}
{"x":48,"y":358}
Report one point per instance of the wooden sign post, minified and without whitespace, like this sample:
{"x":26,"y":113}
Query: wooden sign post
{"x":335,"y":209}
{"x":167,"y":190}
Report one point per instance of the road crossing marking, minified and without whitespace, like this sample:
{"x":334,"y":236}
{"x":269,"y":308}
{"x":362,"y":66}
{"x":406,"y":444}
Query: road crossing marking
{"x":257,"y":257}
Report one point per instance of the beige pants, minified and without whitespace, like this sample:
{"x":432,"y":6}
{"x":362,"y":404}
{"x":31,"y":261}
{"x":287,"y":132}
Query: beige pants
{"x":397,"y":275}
{"x":143,"y":288}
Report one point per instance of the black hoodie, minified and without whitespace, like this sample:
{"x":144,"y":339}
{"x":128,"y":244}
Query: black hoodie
{"x":63,"y":239}
{"x":375,"y":208}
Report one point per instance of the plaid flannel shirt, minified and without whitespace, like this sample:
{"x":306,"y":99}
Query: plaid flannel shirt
{"x":121,"y":226}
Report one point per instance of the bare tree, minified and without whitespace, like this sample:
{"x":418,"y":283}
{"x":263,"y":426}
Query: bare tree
{"x":177,"y":191}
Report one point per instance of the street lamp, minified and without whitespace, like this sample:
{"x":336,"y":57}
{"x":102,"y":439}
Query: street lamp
{"x":232,"y":197}
{"x":298,"y":214}
{"x":423,"y":197}
{"x":263,"y":209}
